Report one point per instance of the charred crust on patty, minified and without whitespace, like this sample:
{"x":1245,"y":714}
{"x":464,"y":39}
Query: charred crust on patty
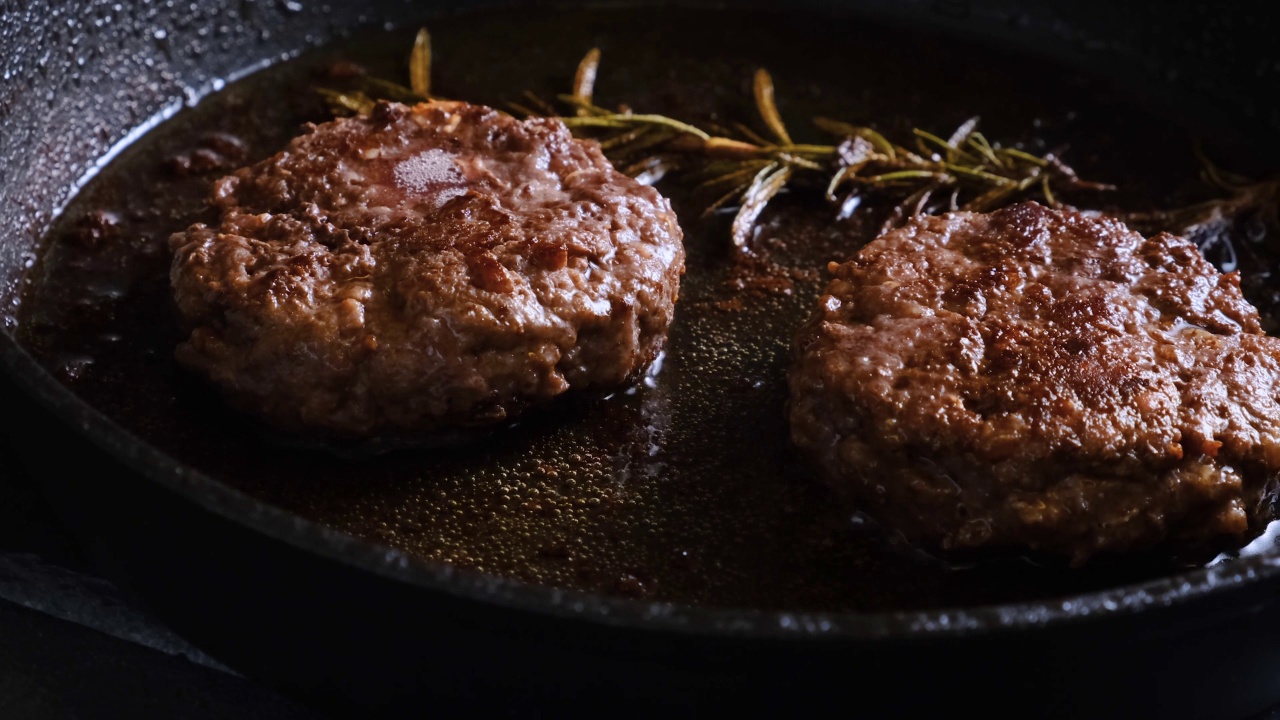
{"x":424,"y":269}
{"x":1037,"y":379}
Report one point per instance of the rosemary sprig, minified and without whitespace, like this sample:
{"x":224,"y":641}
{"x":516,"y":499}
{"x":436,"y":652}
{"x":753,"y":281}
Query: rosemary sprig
{"x":584,"y":82}
{"x":747,"y":169}
{"x":420,"y":64}
{"x":1250,"y":208}
{"x":360,"y":99}
{"x":763,"y":87}
{"x":966,"y":171}
{"x":341,"y":103}
{"x":740,"y":166}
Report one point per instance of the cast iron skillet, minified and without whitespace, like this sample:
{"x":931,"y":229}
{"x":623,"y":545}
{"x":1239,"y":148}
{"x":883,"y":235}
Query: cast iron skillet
{"x":348,"y":625}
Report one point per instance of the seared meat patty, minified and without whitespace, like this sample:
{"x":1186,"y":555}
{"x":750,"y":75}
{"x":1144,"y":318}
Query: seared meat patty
{"x":1039,"y":379}
{"x":426,"y":268}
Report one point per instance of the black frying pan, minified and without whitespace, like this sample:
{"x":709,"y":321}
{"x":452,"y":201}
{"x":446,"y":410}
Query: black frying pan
{"x":351,"y":625}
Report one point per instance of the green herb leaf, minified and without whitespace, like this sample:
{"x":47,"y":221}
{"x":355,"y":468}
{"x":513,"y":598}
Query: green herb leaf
{"x":768,"y":109}
{"x":767,"y":183}
{"x":420,"y":64}
{"x":584,"y":81}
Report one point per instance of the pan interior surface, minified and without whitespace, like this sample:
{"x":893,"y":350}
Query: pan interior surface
{"x":684,"y":488}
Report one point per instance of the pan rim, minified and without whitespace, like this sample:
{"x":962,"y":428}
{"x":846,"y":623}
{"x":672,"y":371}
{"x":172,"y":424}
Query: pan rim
{"x":334,"y":545}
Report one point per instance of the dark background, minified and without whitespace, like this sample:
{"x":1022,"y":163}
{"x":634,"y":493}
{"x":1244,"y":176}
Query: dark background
{"x":73,"y":646}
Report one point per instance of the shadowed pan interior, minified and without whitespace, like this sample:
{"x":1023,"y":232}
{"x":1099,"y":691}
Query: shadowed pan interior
{"x":684,"y":488}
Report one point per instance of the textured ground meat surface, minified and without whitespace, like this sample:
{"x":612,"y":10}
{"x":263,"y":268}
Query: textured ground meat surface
{"x":425,"y":269}
{"x":1038,"y":379}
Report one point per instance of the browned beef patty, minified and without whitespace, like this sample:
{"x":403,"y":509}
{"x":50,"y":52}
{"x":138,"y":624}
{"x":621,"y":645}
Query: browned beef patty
{"x":1039,"y":379}
{"x":427,"y":268}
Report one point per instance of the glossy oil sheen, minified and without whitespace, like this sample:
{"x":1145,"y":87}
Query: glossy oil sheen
{"x":681,"y":489}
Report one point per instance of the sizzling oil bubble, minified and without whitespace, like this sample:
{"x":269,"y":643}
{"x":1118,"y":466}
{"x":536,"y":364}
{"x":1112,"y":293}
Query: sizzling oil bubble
{"x":431,"y":173}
